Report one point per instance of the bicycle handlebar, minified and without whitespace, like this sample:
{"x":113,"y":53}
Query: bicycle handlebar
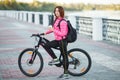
{"x":38,"y":35}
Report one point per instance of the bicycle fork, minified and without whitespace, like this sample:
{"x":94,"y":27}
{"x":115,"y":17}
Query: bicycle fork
{"x":33,"y":56}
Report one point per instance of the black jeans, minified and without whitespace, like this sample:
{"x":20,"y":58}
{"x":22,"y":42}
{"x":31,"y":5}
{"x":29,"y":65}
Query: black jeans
{"x":63,"y":49}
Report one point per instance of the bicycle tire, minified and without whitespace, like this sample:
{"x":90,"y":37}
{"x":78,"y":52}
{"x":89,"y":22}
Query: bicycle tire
{"x":85,"y":54}
{"x":21,"y":67}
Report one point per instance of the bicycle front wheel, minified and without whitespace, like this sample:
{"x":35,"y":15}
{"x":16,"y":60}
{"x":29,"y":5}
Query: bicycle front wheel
{"x":79,"y":62}
{"x":30,"y":62}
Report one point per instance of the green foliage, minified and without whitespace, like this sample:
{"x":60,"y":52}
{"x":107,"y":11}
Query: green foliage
{"x":43,"y":6}
{"x":47,"y":6}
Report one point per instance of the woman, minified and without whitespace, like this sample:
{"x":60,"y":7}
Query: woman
{"x":60,"y":35}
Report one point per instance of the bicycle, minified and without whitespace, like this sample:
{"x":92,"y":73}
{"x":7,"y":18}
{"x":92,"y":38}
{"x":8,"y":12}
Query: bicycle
{"x":79,"y":59}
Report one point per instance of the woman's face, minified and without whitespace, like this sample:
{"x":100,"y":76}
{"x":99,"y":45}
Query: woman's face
{"x":57,"y":13}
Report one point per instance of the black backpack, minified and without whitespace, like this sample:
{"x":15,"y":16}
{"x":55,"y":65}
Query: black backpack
{"x":72,"y":33}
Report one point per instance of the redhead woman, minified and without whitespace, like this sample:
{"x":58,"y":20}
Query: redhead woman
{"x":59,"y":41}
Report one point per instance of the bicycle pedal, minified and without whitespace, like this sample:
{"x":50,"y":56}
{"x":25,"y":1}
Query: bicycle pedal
{"x":50,"y":64}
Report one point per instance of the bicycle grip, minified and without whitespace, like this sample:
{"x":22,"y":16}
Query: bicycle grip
{"x":35,"y":35}
{"x":42,"y":34}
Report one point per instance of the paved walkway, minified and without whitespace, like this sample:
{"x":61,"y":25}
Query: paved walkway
{"x":15,"y":36}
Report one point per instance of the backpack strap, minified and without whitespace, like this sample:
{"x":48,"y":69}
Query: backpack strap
{"x":60,"y":22}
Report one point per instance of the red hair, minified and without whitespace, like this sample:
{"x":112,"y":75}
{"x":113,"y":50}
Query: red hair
{"x":61,"y":11}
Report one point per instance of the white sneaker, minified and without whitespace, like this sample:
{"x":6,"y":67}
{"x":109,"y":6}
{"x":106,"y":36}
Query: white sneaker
{"x":64,"y":76}
{"x":54,"y":61}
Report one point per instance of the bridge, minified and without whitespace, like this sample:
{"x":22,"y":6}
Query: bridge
{"x":15,"y":36}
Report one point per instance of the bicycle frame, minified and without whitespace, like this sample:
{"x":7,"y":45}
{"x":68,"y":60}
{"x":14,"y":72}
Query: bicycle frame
{"x":42,"y":41}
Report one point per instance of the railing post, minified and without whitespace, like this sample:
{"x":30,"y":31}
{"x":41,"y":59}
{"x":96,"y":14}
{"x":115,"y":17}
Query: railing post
{"x":1,"y":13}
{"x":16,"y":15}
{"x":37,"y":18}
{"x":45,"y":19}
{"x":20,"y":16}
{"x":30,"y":17}
{"x":24,"y":16}
{"x":97,"y":33}
{"x":7,"y":14}
{"x":12,"y":14}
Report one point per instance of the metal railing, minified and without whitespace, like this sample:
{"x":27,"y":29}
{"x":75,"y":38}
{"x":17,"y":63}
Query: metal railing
{"x":84,"y":25}
{"x":96,"y":28}
{"x":111,"y":30}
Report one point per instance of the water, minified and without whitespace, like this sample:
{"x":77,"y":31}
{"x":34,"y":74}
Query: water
{"x":98,"y":14}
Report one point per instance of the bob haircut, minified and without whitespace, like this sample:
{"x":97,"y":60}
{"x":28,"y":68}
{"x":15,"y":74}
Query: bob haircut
{"x":61,"y":11}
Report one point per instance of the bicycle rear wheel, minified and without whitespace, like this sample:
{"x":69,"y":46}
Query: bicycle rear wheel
{"x":30,"y":62}
{"x":79,"y":62}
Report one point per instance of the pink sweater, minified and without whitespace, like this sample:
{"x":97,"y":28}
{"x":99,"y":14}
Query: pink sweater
{"x":59,"y":33}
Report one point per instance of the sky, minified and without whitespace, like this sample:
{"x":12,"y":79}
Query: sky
{"x":78,"y":1}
